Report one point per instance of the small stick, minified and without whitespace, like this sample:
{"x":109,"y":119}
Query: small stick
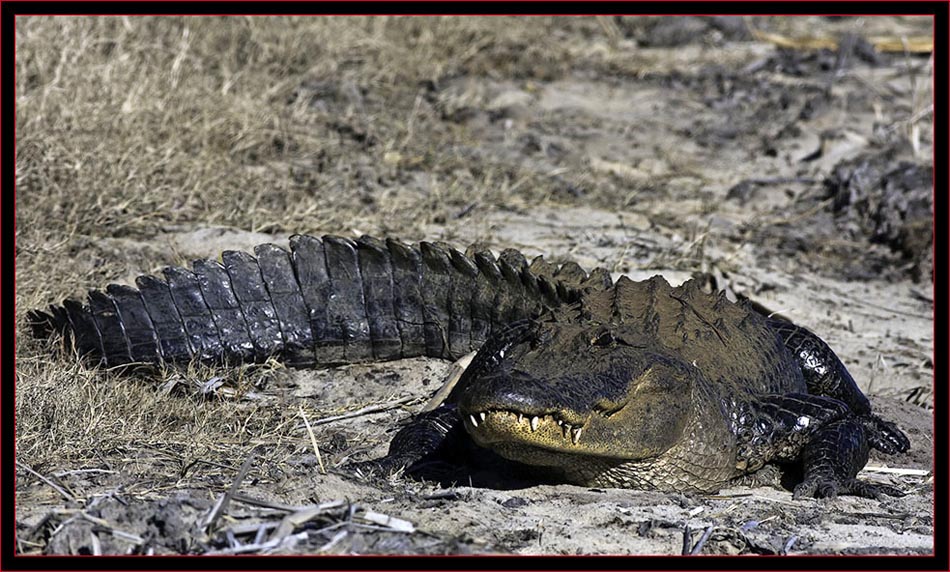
{"x":899,"y":516}
{"x":781,"y":181}
{"x":262,"y":532}
{"x":56,"y":487}
{"x":222,"y":504}
{"x":687,"y":539}
{"x":390,"y":522}
{"x":290,"y":540}
{"x":313,"y":441}
{"x":455,"y":373}
{"x":104,"y":525}
{"x":788,"y":545}
{"x":242,"y":498}
{"x":702,"y":542}
{"x":915,"y":44}
{"x":62,"y":474}
{"x":292,"y":521}
{"x":447,"y":494}
{"x":127,"y":536}
{"x":76,"y":513}
{"x":365,"y":410}
{"x":897,"y":471}
{"x":240,"y":529}
{"x":333,"y":541}
{"x":749,"y":526}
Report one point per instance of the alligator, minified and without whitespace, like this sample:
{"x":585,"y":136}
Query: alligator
{"x":629,"y":384}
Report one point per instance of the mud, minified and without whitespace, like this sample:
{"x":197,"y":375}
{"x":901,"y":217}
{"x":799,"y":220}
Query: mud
{"x":890,"y":203}
{"x":786,"y":176}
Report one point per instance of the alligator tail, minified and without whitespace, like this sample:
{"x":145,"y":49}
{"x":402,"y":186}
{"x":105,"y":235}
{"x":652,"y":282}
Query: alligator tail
{"x":326,"y":301}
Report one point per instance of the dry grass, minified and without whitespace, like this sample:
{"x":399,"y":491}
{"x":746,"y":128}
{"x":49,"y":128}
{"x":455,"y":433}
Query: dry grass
{"x":69,"y":416}
{"x":127,"y":126}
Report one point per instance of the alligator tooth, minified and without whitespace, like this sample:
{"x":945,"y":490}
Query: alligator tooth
{"x":534,"y":423}
{"x":482,"y":415}
{"x":520,"y":417}
{"x":560,"y":423}
{"x":576,"y":435}
{"x":474,"y":422}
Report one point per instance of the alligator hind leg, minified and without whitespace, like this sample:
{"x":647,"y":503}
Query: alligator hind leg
{"x":833,"y":458}
{"x":821,"y":433}
{"x":825,"y":375}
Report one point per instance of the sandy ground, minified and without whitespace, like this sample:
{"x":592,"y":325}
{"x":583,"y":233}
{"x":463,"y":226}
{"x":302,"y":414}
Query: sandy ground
{"x":725,"y":158}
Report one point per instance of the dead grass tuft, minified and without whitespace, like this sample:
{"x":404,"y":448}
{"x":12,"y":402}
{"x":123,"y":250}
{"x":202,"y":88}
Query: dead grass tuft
{"x":70,"y":415}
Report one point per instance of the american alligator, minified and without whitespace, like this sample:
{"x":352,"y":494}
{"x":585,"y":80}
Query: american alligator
{"x":626,"y":384}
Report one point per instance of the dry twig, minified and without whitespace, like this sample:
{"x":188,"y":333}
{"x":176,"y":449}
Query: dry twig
{"x":56,"y":487}
{"x":313,"y":441}
{"x":364,"y":411}
{"x":222,"y":503}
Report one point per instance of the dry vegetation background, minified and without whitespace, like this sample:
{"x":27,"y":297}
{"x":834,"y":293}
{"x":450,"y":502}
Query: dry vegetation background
{"x":128,"y":126}
{"x":133,"y":132}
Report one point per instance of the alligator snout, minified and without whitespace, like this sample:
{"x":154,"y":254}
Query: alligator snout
{"x":525,"y":396}
{"x":608,"y":400}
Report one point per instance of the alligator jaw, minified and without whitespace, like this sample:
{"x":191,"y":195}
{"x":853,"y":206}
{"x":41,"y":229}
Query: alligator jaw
{"x":520,"y":426}
{"x":493,"y":427}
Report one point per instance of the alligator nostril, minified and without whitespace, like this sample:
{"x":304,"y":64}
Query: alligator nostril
{"x":602,"y":339}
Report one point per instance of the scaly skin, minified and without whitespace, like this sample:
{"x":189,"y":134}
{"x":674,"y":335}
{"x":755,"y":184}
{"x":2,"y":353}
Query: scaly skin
{"x":633,"y":384}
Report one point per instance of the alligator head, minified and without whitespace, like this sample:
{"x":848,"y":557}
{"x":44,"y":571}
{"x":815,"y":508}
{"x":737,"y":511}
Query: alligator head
{"x":562,"y":395}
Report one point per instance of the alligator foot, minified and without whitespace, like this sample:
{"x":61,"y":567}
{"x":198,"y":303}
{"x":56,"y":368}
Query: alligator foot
{"x":833,"y":457}
{"x":372,"y":468}
{"x":429,"y":468}
{"x":420,"y":444}
{"x":769,"y":475}
{"x":829,"y":488}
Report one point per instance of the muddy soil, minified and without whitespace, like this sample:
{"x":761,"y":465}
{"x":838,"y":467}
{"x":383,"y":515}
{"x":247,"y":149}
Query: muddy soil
{"x":788,"y":176}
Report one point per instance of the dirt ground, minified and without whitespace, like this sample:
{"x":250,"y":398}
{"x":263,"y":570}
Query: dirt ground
{"x":724,"y":148}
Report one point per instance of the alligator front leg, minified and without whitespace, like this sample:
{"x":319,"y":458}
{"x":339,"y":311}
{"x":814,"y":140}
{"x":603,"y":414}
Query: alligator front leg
{"x":431,"y":436}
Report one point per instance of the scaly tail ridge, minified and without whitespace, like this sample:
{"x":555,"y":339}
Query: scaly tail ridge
{"x":327,"y":300}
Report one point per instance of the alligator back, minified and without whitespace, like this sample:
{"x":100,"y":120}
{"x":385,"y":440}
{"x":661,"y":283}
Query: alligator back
{"x":730,"y":343}
{"x":328,"y":300}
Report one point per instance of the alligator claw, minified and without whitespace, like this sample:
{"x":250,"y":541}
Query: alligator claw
{"x":816,"y":488}
{"x":768,"y":476}
{"x":373,"y":467}
{"x":823,"y":487}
